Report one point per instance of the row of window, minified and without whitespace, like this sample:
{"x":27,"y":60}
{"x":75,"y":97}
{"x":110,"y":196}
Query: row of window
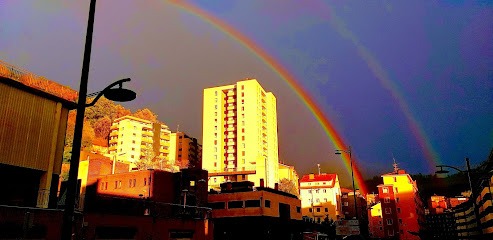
{"x":243,"y":204}
{"x":118,"y":184}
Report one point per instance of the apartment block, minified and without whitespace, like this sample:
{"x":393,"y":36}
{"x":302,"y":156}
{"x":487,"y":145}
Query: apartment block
{"x":403,"y":210}
{"x":320,"y":196}
{"x":185,"y":151}
{"x":132,"y":138}
{"x":240,"y":134}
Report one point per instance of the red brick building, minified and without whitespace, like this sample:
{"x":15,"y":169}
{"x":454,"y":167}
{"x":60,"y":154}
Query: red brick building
{"x":402,"y":208}
{"x":148,"y":204}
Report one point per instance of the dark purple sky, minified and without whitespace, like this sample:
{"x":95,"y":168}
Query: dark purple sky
{"x":377,"y":69}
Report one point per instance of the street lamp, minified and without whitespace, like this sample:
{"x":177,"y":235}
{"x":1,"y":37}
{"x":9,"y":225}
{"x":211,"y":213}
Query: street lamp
{"x":348,"y":151}
{"x":468,"y":171}
{"x":116,"y":94}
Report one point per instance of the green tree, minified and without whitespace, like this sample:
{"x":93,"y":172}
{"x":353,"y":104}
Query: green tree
{"x":288,"y":186}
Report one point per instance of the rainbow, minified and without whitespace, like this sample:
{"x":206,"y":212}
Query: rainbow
{"x":328,"y":127}
{"x":376,"y":68}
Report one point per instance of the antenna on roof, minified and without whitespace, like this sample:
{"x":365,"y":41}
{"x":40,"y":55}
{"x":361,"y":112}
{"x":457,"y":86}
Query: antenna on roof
{"x":177,"y":128}
{"x":318,"y":165}
{"x":396,"y":168}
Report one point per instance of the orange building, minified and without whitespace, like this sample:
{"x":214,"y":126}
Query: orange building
{"x":91,"y":167}
{"x":241,"y":211}
{"x":185,"y":151}
{"x":402,"y":208}
{"x":149,"y":204}
{"x":375,"y":216}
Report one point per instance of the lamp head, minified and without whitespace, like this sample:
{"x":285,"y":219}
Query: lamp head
{"x":441,"y":171}
{"x":338,"y":152}
{"x":120,"y":94}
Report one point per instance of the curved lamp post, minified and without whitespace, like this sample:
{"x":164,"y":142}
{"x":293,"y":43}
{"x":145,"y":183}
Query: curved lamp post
{"x":348,"y":151}
{"x":468,"y":172}
{"x":116,"y":94}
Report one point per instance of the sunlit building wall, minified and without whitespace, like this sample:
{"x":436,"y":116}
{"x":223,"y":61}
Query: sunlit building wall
{"x":185,"y":151}
{"x":240,"y":134}
{"x":403,"y":210}
{"x":375,"y":217}
{"x":33,"y":121}
{"x":131,"y":138}
{"x":288,"y":172}
{"x":320,"y":196}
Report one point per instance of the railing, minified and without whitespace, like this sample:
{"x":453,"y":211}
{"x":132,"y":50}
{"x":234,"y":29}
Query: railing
{"x":41,"y":83}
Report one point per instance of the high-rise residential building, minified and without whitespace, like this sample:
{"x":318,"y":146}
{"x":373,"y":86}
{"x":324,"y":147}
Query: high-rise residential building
{"x":240,"y":134}
{"x":320,"y":196}
{"x":403,"y":210}
{"x":132,"y":138}
{"x":185,"y":151}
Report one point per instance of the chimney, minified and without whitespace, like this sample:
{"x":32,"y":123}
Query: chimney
{"x":311,"y":176}
{"x":276,"y":186}
{"x":261,"y":182}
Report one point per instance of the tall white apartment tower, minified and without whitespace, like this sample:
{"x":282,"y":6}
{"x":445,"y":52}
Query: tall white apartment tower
{"x":240,"y":134}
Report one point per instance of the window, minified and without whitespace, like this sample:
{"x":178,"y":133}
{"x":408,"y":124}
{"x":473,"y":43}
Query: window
{"x":243,"y":138}
{"x":318,"y":200}
{"x":216,"y":93}
{"x":316,"y":191}
{"x":388,"y":211}
{"x":235,"y":204}
{"x":134,"y":134}
{"x":267,"y":203}
{"x":298,"y":209}
{"x":326,"y":209}
{"x":309,"y":191}
{"x":389,"y":221}
{"x":400,"y":221}
{"x":318,"y":209}
{"x":129,"y":183}
{"x":396,"y":190}
{"x":310,"y":210}
{"x":391,"y":232}
{"x":145,"y":181}
{"x":215,"y":164}
{"x":252,"y":203}
{"x":325,"y":190}
{"x":215,"y":106}
{"x":385,"y":190}
{"x":133,"y":141}
{"x":395,"y":179}
{"x":217,"y":205}
{"x":116,"y":184}
{"x":386,"y":200}
{"x":325,"y":199}
{"x":346,"y":204}
{"x":398,"y":210}
{"x":396,"y":199}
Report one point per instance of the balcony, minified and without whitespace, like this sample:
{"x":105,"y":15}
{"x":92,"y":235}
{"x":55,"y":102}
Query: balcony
{"x":114,"y":140}
{"x":146,"y":140}
{"x":147,"y":133}
{"x":231,"y":108}
{"x":231,"y":150}
{"x":230,"y":143}
{"x":231,"y":129}
{"x":231,"y":122}
{"x":113,"y":133}
{"x":165,"y":137}
{"x":114,"y":127}
{"x":231,"y":93}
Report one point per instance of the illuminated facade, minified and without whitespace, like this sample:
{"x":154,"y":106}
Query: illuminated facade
{"x":185,"y":151}
{"x":320,"y":196}
{"x":375,"y":216}
{"x":289,"y":173}
{"x":131,"y":137}
{"x":33,"y":121}
{"x":240,"y":134}
{"x":402,"y":208}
